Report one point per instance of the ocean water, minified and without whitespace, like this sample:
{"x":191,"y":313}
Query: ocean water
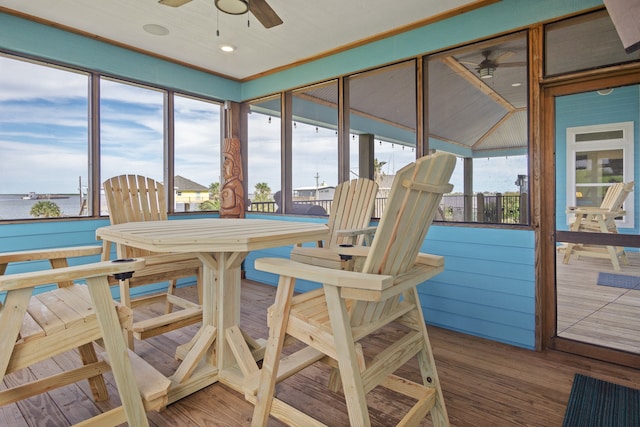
{"x":12,"y":206}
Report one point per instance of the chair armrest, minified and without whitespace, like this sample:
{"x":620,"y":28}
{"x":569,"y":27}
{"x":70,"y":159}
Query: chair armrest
{"x":355,"y":232}
{"x":595,"y":211}
{"x":46,"y":254}
{"x":340,"y":278}
{"x":353,"y":251}
{"x":430,"y":259}
{"x":84,"y":271}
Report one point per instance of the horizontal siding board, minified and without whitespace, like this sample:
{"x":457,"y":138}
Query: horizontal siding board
{"x":487,"y":299}
{"x":42,"y":235}
{"x":487,"y":250}
{"x":518,"y":286}
{"x":501,"y":332}
{"x":494,"y":268}
{"x":480,"y":236}
{"x":481,"y":310}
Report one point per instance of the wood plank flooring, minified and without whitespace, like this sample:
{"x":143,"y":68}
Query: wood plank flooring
{"x":603,"y":315}
{"x":485,"y":383}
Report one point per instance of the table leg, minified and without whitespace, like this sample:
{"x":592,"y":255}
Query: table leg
{"x":228,"y":296}
{"x":229,"y":354}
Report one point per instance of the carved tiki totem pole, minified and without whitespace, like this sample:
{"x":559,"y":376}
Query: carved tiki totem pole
{"x":232,"y":192}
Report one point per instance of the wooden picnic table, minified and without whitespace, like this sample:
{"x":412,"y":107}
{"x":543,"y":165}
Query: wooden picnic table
{"x":219,"y":351}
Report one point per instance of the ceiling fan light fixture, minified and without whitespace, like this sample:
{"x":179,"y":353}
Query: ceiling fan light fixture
{"x":232,"y":7}
{"x":486,"y":72}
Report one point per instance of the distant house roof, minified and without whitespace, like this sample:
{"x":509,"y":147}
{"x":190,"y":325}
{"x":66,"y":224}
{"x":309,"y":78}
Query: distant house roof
{"x":183,"y":184}
{"x":322,"y":187}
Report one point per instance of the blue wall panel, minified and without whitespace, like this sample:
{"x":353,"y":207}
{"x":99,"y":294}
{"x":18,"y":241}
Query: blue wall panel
{"x":487,"y":289}
{"x":488,"y":286}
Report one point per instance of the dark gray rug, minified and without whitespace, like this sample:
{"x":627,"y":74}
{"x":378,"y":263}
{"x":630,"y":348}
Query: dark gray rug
{"x":618,"y":280}
{"x":594,"y":402}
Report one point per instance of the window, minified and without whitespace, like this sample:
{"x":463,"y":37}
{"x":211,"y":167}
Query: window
{"x":263,"y":156}
{"x":131,"y":130}
{"x":43,"y":140}
{"x":314,"y":148}
{"x":478,"y":110}
{"x":383,"y":122}
{"x":583,"y":43}
{"x":597,"y":157}
{"x":196,"y":153}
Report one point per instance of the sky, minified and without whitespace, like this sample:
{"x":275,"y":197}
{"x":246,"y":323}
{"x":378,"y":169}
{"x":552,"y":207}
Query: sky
{"x":44,"y":132}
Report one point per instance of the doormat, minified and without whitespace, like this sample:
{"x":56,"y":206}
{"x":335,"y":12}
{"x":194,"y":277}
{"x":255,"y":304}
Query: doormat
{"x":594,"y":402}
{"x":618,"y":280}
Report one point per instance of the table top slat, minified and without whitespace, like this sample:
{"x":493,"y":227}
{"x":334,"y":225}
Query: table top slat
{"x":212,"y":234}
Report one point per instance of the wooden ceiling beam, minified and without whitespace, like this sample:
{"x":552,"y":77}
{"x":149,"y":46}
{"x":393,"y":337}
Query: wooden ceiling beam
{"x":470,"y":77}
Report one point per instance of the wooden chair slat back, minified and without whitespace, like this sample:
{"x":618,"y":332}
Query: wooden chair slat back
{"x":616,"y":195}
{"x":352,"y":207}
{"x":134,"y":198}
{"x":413,"y":203}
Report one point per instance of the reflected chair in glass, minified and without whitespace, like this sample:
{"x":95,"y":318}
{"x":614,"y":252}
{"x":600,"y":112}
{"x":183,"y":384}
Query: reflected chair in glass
{"x":600,"y":220}
{"x":336,"y":321}
{"x":135,"y":198}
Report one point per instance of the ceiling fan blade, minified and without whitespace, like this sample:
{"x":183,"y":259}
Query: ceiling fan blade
{"x":512,"y":64}
{"x":173,"y":3}
{"x":263,"y":13}
{"x":473,"y":64}
{"x":503,"y":56}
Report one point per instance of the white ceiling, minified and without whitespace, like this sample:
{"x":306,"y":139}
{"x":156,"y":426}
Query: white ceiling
{"x":311,"y":27}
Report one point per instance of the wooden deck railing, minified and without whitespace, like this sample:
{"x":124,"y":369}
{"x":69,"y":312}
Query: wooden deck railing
{"x":486,"y":208}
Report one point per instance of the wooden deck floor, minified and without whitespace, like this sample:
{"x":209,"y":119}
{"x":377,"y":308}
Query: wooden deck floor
{"x":485,"y":384}
{"x":603,"y":315}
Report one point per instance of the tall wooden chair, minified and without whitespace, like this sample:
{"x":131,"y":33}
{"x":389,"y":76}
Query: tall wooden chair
{"x":333,"y":321}
{"x":600,"y":220}
{"x":349,"y":218}
{"x":38,"y":326}
{"x":133,"y":198}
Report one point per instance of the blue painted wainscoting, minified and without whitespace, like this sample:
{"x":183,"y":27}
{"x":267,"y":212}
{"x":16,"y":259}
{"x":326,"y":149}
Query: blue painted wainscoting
{"x":487,"y":288}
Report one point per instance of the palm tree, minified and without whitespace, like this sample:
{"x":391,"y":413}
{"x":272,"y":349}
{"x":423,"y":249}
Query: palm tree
{"x":262,"y":192}
{"x":213,"y":204}
{"x":377,"y":170}
{"x":214,"y":191}
{"x":210,"y":205}
{"x":45,"y":209}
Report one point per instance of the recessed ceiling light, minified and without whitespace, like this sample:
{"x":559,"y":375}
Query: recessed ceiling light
{"x":605,"y":92}
{"x":227,"y":48}
{"x":155,"y":29}
{"x":517,"y":84}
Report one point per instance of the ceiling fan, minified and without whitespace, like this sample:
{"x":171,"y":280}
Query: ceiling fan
{"x":488,"y":66}
{"x":260,"y":9}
